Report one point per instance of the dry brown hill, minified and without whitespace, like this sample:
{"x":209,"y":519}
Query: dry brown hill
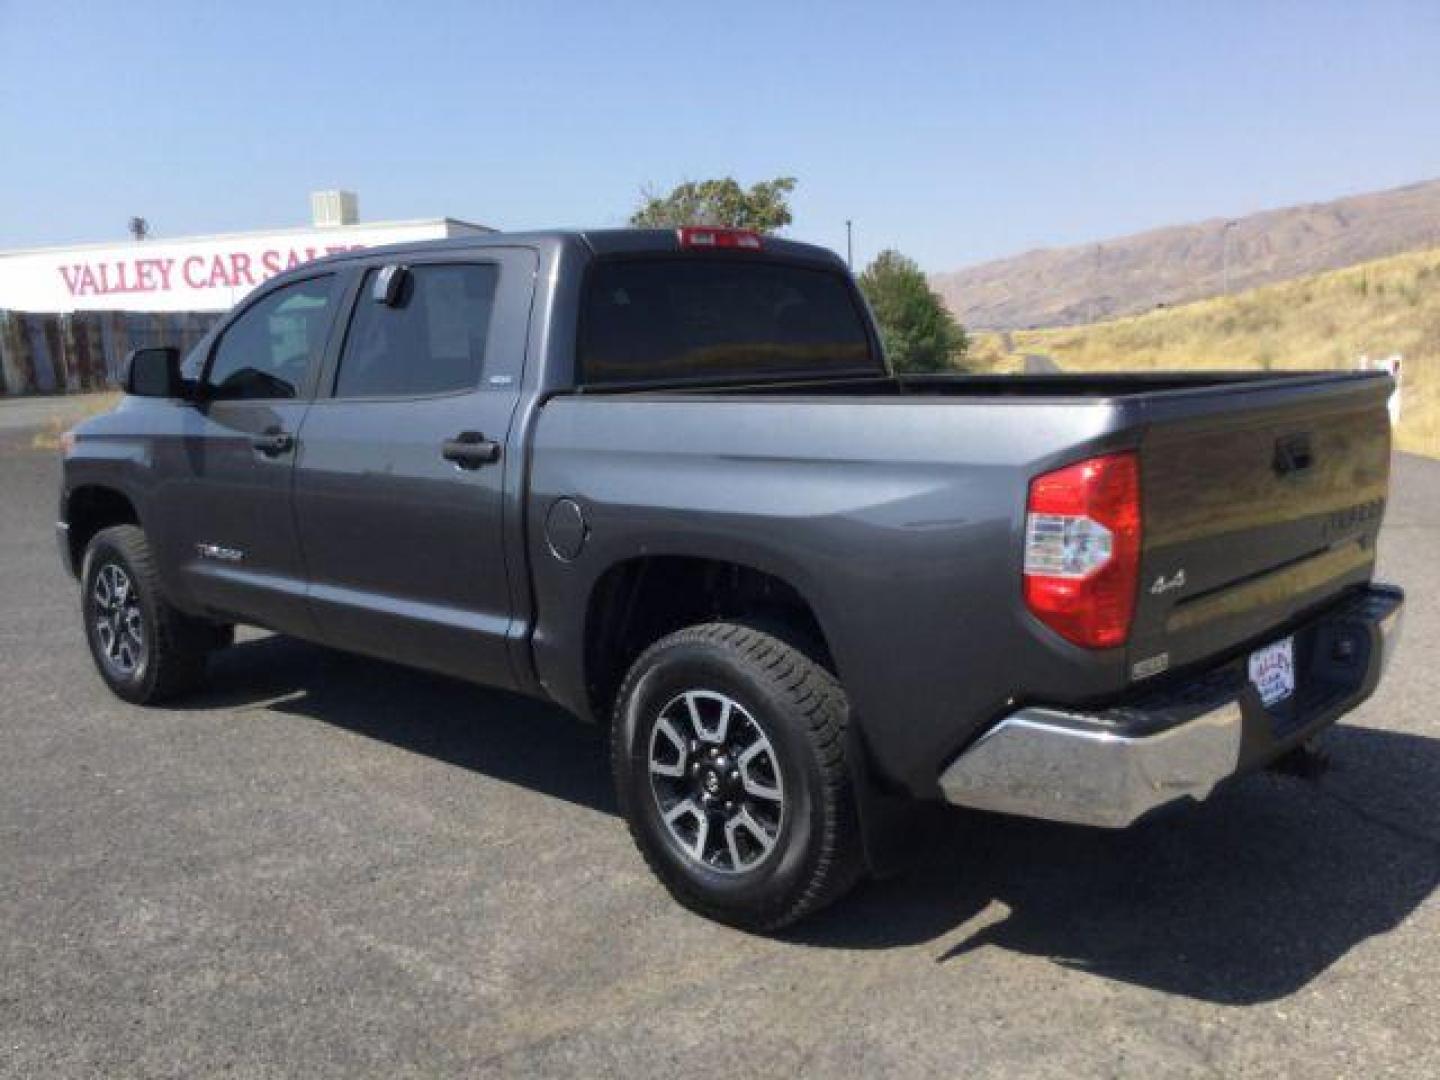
{"x":1132,"y":274}
{"x":1328,"y":320}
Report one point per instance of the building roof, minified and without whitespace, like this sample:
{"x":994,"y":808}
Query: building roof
{"x":250,"y":234}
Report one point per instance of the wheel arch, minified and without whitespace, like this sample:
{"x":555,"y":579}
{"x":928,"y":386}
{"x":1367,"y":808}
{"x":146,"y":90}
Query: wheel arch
{"x":686,"y":584}
{"x":639,"y":599}
{"x":88,"y":509}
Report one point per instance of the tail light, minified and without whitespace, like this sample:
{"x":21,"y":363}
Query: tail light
{"x":1082,"y":549}
{"x":692,"y":236}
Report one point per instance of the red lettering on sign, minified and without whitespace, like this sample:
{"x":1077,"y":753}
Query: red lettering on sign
{"x":235,"y":270}
{"x":191,"y":268}
{"x":240,"y":268}
{"x":218,"y":275}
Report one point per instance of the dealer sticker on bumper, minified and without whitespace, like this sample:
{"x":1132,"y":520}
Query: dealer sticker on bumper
{"x":1272,"y":670}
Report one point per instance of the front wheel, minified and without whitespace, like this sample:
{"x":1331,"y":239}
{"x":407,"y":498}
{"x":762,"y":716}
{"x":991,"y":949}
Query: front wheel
{"x":145,"y":650}
{"x":728,"y":750}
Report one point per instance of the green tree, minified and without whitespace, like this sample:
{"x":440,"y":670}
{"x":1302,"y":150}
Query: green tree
{"x":919,"y":332}
{"x":763,"y":207}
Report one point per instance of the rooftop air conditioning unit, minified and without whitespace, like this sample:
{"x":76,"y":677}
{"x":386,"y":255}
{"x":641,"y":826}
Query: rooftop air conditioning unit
{"x":331,"y":208}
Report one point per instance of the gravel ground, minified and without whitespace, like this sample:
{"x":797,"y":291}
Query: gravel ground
{"x":326,"y":866}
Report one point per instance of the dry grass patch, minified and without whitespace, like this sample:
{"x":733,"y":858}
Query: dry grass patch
{"x":85,"y":406}
{"x":1322,"y":322}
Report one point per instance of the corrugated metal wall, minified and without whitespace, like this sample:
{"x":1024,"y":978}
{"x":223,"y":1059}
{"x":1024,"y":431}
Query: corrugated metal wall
{"x":51,"y":354}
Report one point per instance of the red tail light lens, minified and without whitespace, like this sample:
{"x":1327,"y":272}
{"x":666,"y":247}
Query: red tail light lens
{"x":1082,"y":549}
{"x":694,"y":236}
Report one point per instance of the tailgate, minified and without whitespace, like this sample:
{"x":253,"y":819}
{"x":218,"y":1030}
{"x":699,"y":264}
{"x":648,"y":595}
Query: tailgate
{"x":1259,"y":502}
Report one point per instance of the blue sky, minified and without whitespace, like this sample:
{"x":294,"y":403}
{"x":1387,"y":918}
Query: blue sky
{"x":956,"y":132}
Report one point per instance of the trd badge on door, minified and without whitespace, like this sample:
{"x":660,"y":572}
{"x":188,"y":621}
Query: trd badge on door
{"x":223,"y":554}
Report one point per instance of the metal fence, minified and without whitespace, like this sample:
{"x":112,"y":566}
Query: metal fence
{"x":57,"y":354}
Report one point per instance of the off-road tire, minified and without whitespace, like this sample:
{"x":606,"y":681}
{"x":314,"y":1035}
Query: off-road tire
{"x":816,"y":856}
{"x":175,"y":645}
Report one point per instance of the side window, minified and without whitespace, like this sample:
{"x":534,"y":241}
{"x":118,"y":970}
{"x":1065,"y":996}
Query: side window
{"x":431,"y":340}
{"x":266,"y":352}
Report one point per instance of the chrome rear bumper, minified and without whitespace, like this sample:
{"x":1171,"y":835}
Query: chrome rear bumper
{"x":1112,"y":767}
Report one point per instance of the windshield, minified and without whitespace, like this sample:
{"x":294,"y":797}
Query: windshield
{"x":720,"y":319}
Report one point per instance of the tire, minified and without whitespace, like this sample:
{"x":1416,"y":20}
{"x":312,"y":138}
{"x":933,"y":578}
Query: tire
{"x":150,"y":652}
{"x":799,"y":850}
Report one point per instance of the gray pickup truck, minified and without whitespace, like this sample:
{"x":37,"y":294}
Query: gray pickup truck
{"x":667,"y":480}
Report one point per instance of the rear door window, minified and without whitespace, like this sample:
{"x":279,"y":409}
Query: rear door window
{"x":430,"y":341}
{"x":696,"y":320}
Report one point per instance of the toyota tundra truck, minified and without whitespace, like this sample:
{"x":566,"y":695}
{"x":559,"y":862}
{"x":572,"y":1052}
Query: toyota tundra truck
{"x":667,"y":480}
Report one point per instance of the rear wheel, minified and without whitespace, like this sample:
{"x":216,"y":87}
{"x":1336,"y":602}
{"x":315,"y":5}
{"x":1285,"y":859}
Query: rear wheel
{"x":729,"y":757}
{"x":145,"y":650}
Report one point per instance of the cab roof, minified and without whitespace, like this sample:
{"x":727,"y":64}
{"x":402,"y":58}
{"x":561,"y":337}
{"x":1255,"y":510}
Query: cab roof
{"x":598,"y":242}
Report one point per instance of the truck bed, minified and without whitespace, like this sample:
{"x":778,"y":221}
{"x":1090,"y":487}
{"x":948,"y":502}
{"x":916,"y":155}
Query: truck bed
{"x":897,"y":507}
{"x":1110,"y":385}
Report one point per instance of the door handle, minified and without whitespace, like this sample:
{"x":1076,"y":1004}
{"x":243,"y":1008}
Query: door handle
{"x":470,"y":450}
{"x":273,"y":443}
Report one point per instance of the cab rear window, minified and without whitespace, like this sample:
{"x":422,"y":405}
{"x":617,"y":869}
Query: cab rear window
{"x":696,"y":320}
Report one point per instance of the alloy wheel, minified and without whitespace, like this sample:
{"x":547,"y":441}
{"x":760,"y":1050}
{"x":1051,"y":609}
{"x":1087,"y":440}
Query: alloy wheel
{"x":716,"y":779}
{"x":118,"y":620}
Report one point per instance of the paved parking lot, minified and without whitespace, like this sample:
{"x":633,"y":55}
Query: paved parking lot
{"x":329,"y":866}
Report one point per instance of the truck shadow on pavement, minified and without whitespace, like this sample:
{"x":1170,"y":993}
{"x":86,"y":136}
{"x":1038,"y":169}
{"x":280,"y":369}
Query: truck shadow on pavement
{"x":502,"y":735}
{"x":1241,"y":900}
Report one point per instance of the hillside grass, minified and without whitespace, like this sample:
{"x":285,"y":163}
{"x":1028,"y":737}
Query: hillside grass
{"x":1327,"y":321}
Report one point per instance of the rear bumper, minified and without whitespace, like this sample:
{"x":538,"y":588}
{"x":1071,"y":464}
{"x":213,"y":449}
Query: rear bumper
{"x":1114,"y":765}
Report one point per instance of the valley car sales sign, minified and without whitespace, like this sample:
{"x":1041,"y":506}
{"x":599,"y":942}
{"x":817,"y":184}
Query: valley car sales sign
{"x":200,"y":274}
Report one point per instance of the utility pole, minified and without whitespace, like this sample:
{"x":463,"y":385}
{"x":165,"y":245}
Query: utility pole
{"x":1225,"y":254}
{"x":849,"y":259}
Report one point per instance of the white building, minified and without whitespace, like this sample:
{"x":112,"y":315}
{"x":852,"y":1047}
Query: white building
{"x":196,"y":273}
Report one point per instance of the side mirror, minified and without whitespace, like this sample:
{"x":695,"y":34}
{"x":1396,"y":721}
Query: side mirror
{"x":152,"y":373}
{"x":390,"y":286}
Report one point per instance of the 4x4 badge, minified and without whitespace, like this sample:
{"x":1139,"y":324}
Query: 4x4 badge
{"x":1170,"y":584}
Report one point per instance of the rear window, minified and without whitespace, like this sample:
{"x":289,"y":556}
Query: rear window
{"x":676,"y":319}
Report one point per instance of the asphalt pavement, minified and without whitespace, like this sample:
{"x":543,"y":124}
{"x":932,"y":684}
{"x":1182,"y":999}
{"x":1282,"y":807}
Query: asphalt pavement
{"x":327,"y":866}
